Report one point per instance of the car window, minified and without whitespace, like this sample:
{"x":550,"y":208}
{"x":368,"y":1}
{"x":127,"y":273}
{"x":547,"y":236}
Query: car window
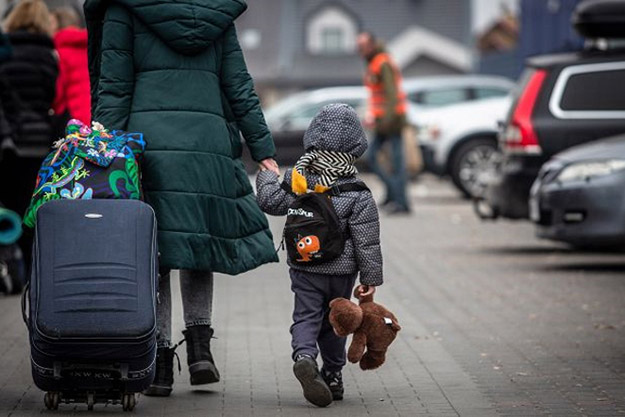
{"x":488,"y":92}
{"x":300,"y":118}
{"x":442,"y":97}
{"x":597,"y":91}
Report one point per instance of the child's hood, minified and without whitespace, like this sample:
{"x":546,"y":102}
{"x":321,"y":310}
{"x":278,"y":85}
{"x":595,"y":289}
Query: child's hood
{"x":336,"y":128}
{"x":187,"y":26}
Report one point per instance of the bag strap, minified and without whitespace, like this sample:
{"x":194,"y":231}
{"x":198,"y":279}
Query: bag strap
{"x":345,"y":188}
{"x":335,"y":190}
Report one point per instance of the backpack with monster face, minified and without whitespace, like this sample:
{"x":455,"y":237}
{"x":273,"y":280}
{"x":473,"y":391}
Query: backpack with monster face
{"x":312,"y":233}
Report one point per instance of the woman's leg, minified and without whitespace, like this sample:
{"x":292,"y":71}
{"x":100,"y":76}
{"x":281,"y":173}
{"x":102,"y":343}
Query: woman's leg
{"x":163,"y":310}
{"x":197,"y":297}
{"x":197,"y":302}
{"x":164,"y":377}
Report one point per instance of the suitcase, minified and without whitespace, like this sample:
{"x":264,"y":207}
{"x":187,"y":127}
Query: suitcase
{"x":92,"y":301}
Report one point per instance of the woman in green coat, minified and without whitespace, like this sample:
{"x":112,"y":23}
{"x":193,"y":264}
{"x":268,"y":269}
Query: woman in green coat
{"x":173,"y":69}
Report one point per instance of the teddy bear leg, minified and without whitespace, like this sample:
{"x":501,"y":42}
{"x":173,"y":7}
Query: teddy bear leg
{"x":372,"y":360}
{"x":357,"y":347}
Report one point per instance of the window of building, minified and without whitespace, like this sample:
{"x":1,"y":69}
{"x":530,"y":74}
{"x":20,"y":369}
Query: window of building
{"x":331,"y":31}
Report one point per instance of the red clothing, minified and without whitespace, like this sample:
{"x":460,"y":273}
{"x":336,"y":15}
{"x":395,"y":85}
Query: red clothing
{"x":72,"y":87}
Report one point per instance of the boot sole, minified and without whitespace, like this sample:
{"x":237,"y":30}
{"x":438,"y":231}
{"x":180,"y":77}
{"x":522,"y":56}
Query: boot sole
{"x":316,"y":391}
{"x":203,"y":372}
{"x":157,"y":391}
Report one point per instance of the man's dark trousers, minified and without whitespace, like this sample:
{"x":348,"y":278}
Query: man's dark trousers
{"x":311,"y":327}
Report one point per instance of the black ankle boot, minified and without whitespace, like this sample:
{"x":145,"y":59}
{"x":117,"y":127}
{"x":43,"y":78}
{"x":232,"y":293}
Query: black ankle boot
{"x":164,"y":378}
{"x":199,"y":357}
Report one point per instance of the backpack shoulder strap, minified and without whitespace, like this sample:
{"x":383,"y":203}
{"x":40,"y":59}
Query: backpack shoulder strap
{"x":286,"y":187}
{"x":345,"y":188}
{"x":334,"y":191}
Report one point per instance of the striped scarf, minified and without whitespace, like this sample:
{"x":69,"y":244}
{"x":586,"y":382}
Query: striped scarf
{"x":329,"y":165}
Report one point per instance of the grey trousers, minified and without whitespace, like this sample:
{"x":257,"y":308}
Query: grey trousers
{"x":196,"y":288}
{"x":311,"y":332}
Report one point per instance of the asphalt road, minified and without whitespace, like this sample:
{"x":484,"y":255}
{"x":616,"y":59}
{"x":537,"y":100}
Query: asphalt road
{"x":494,"y":322}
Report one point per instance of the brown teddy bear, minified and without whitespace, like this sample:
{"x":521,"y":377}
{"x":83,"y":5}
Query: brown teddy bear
{"x":374,"y":328}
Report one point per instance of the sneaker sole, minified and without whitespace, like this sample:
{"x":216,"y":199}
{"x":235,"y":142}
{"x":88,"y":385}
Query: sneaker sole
{"x":315,"y":390}
{"x":203,"y":372}
{"x":157,"y":391}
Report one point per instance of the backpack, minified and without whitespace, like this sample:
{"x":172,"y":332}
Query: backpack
{"x":312,"y":232}
{"x":89,"y":163}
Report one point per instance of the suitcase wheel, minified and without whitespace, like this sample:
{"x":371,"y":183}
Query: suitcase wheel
{"x":128,"y":402}
{"x":90,"y":400}
{"x":51,"y":400}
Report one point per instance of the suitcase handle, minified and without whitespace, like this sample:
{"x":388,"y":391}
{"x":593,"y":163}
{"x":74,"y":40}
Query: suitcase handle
{"x":24,"y":313}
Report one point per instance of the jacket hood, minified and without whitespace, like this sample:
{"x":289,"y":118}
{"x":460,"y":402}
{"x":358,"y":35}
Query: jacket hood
{"x":72,"y":37}
{"x":187,"y":26}
{"x":336,"y":128}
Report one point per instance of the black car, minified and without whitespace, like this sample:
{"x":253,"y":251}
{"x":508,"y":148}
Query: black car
{"x":563,"y":100}
{"x":579,"y":195}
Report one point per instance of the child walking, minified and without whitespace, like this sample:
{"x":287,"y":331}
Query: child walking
{"x":334,"y":140}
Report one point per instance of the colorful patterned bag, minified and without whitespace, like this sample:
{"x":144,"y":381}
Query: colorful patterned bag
{"x":89,"y":163}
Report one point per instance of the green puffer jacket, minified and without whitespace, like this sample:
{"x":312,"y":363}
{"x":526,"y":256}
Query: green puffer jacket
{"x":173,"y":70}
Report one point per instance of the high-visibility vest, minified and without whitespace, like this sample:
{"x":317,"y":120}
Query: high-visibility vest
{"x":373,"y":81}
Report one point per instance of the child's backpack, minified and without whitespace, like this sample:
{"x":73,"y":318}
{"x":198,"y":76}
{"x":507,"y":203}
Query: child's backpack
{"x":312,"y":232}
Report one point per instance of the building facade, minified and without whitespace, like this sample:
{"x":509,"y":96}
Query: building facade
{"x":291,"y":45}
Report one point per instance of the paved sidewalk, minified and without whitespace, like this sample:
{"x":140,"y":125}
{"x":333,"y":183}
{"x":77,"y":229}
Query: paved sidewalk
{"x":494,"y":323}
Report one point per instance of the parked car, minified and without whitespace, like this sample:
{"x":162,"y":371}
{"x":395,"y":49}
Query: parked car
{"x":563,"y":100}
{"x":289,"y":118}
{"x":579,"y":195}
{"x":460,"y":140}
{"x":429,"y":92}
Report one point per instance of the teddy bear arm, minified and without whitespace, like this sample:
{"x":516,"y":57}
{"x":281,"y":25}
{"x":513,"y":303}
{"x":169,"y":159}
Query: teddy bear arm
{"x":357,"y":347}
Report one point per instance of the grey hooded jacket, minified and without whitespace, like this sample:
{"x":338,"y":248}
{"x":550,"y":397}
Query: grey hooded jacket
{"x":335,"y":128}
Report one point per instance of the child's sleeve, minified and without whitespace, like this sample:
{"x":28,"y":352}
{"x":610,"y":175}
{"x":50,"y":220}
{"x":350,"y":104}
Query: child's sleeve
{"x":364,"y":226}
{"x":271,"y":198}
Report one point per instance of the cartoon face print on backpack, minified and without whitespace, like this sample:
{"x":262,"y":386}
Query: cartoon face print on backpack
{"x":308,"y":246}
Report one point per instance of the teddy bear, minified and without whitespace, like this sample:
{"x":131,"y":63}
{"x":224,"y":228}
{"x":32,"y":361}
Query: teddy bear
{"x":373,"y":325}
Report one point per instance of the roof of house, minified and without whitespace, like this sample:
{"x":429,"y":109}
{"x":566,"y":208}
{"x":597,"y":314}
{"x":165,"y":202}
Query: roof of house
{"x":412,"y":29}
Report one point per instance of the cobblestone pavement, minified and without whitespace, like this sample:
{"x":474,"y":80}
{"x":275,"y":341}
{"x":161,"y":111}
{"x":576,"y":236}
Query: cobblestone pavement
{"x":494,"y":322}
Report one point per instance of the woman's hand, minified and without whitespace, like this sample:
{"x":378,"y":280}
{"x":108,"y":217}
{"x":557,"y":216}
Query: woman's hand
{"x":269,"y":164}
{"x":364,"y":291}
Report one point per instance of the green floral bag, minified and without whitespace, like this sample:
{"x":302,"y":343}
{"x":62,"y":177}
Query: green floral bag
{"x":89,"y":163}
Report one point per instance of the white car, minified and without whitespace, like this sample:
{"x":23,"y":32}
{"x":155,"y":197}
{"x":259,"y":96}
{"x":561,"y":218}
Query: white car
{"x":460,"y":140}
{"x":436,"y":91}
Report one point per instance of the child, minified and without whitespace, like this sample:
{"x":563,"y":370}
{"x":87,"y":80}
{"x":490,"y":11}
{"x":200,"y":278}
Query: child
{"x":333,"y":141}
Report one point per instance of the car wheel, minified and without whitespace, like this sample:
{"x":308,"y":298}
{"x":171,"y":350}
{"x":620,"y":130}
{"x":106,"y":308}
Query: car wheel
{"x":473,"y":164}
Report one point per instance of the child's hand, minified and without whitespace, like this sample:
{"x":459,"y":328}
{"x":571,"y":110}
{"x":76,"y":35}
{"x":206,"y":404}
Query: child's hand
{"x":364,"y":291}
{"x":269,"y":164}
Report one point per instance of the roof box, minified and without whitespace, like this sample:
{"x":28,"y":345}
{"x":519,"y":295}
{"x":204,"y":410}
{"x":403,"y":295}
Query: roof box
{"x":600,"y":19}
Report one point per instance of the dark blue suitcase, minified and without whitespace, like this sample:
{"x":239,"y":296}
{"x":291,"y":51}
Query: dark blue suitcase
{"x":92,"y":301}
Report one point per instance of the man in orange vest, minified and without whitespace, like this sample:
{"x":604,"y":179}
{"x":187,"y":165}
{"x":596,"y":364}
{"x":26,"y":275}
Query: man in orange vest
{"x":386,"y":115}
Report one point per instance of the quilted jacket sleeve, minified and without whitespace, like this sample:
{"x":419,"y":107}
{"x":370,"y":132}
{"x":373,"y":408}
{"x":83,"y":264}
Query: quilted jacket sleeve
{"x":271,"y":198}
{"x":364,"y":226}
{"x":116,"y":82}
{"x":238,"y":88}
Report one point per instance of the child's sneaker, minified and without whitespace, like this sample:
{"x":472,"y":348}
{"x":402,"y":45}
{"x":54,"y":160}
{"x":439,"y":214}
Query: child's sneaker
{"x":316,"y":391}
{"x":334,"y":380}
